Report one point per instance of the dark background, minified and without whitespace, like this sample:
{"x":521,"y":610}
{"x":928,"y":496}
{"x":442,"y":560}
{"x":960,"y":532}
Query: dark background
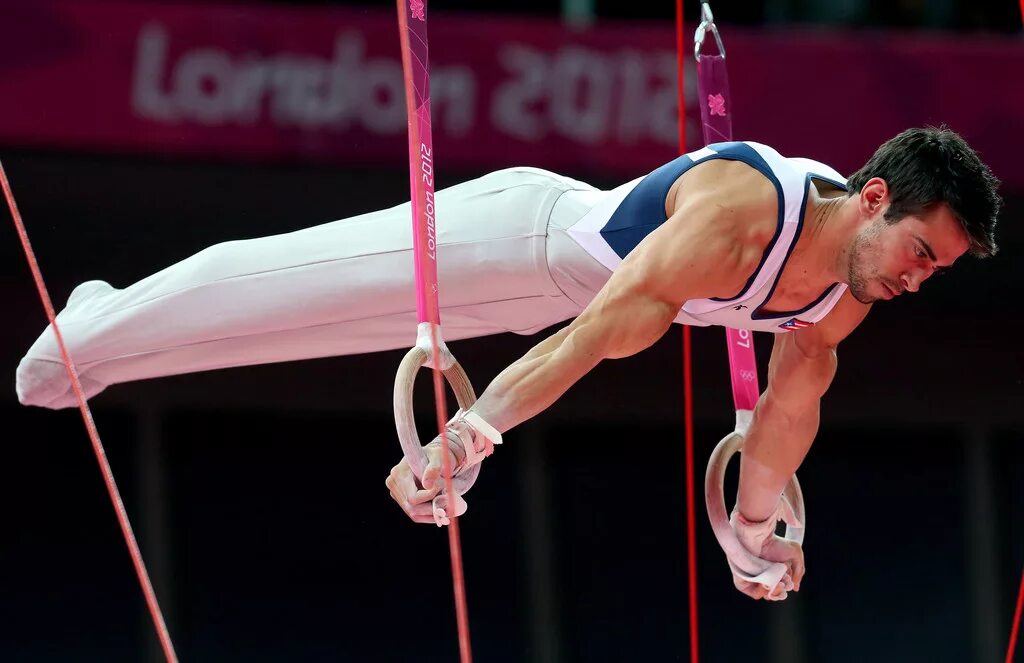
{"x":257,"y":493}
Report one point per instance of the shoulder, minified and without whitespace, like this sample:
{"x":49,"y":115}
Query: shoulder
{"x":733,"y":191}
{"x":730,"y":205}
{"x":724,"y":217}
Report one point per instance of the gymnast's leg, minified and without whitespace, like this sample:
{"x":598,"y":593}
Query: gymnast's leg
{"x":340,"y":288}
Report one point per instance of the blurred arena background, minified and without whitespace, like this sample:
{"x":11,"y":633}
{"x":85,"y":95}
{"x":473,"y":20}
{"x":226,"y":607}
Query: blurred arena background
{"x":136,"y":133}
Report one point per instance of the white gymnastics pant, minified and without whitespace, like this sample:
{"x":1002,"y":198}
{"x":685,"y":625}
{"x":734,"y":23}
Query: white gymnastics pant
{"x":505,"y":264}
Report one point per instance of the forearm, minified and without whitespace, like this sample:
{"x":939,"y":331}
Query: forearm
{"x":774,"y":448}
{"x":538,"y":379}
{"x":616,"y":324}
{"x":785,"y":423}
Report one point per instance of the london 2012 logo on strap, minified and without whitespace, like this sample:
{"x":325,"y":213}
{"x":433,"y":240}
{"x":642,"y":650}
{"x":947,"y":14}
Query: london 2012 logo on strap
{"x":416,"y":8}
{"x":716,"y":105}
{"x":795,"y":323}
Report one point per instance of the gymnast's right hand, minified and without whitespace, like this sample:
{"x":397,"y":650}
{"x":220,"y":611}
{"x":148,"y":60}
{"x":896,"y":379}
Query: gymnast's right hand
{"x":415,"y":497}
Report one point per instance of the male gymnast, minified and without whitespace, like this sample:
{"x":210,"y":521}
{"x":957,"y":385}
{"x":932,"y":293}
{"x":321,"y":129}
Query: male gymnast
{"x":733,"y":234}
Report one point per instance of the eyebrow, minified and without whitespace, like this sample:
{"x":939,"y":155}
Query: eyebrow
{"x":927,"y":249}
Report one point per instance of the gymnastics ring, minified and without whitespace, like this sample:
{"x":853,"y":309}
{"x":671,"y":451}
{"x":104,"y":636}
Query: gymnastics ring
{"x":405,"y":422}
{"x":714,"y":495}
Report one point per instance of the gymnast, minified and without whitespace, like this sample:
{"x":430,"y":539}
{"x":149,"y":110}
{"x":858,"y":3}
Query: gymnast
{"x":733,"y":234}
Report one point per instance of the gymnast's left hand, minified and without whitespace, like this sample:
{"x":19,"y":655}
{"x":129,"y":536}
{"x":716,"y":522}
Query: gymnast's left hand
{"x":416,"y":497}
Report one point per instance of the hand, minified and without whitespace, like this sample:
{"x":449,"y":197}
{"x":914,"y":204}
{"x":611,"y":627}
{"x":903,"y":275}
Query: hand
{"x":416,"y":498}
{"x":777,"y":549}
{"x":760,"y":540}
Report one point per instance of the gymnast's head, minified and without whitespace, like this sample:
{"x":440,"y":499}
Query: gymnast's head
{"x":922,"y":201}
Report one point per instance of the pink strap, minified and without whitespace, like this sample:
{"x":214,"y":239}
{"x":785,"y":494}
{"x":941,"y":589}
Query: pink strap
{"x":412,"y":23}
{"x":743,"y":366}
{"x":716,"y":120}
{"x":421,"y":162}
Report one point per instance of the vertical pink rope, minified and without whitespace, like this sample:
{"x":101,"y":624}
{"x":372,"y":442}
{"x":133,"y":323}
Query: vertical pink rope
{"x":691,"y":509}
{"x":415,"y":67}
{"x":90,"y":427}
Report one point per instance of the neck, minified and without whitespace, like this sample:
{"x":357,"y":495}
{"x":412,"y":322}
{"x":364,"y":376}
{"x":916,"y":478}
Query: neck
{"x":832,"y":226}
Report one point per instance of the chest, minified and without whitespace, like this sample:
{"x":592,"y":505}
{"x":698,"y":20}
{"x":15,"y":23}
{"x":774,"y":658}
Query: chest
{"x":797,"y":288}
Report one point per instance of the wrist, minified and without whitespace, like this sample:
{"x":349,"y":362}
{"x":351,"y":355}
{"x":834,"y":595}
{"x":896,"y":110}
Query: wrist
{"x":456,"y":452}
{"x":753,"y":534}
{"x":471,"y":438}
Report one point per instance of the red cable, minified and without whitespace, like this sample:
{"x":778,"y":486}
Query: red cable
{"x":90,"y":426}
{"x":691,"y":517}
{"x":1015,"y":627}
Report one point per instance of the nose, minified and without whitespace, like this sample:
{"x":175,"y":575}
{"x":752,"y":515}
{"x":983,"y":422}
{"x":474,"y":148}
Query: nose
{"x":912,"y":281}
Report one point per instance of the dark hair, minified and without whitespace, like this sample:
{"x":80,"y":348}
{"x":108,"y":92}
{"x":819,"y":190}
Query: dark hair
{"x":926,"y":167}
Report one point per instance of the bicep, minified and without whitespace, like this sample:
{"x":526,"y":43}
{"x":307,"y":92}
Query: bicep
{"x":690,"y":256}
{"x":622,"y":320}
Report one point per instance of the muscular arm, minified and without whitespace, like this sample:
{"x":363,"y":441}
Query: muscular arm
{"x":785,"y":421}
{"x":707,"y":248}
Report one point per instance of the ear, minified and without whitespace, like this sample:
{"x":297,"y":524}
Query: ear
{"x":874,"y":196}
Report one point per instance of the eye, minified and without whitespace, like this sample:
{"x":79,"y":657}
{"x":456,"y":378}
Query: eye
{"x":919,"y":252}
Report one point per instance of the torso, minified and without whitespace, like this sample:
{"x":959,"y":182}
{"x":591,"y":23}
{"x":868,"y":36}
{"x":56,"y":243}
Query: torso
{"x":784,"y":292}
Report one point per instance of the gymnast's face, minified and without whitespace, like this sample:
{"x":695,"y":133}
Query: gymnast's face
{"x":888,"y":259}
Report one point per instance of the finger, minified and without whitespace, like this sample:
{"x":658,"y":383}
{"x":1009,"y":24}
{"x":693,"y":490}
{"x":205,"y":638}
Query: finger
{"x":795,"y":563}
{"x":420,"y":513}
{"x":430,"y":475}
{"x":393,"y":478}
{"x":400,"y":481}
{"x":416,"y":511}
{"x":408,"y":487}
{"x":781,"y":590}
{"x":799,"y":569}
{"x":752,"y":589}
{"x":420,"y":496}
{"x":434,"y":464}
{"x":402,"y":503}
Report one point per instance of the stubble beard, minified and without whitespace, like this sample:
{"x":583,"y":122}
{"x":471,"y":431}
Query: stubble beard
{"x":859,"y":279}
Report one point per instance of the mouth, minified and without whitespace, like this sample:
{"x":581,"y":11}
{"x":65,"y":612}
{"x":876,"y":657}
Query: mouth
{"x":891,"y":291}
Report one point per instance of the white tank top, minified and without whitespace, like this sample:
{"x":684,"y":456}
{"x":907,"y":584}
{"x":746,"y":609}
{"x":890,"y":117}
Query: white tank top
{"x":626,"y":214}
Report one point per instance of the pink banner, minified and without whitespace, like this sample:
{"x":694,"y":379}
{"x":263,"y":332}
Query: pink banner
{"x":271,"y":82}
